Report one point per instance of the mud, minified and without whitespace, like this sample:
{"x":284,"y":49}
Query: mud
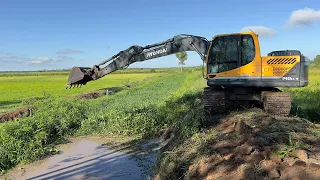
{"x":91,"y":95}
{"x":85,"y":158}
{"x":112,"y":90}
{"x":12,"y":115}
{"x":98,"y":93}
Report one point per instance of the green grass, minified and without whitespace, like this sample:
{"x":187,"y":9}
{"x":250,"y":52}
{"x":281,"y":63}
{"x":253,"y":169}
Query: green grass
{"x":306,"y":100}
{"x":146,"y":109}
{"x":18,"y":88}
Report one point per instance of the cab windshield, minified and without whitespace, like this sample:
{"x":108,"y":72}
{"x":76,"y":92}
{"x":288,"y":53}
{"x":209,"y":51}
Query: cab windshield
{"x":230,"y":52}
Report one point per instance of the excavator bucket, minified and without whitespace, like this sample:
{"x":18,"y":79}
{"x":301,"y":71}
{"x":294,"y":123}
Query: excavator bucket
{"x":78,"y":76}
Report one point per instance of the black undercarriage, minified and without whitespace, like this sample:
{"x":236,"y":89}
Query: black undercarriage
{"x":219,"y":99}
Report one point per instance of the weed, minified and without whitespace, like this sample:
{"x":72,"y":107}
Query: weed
{"x":286,"y":150}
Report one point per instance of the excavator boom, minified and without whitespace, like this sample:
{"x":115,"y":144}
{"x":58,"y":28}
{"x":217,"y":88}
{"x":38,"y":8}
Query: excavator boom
{"x":81,"y":75}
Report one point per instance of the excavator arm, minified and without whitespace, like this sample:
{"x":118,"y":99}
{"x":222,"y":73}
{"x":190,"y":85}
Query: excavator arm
{"x":81,"y":75}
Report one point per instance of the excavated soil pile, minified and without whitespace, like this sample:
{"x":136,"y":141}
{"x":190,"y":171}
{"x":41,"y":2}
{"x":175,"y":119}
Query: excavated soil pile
{"x":99,"y":93}
{"x":251,"y":146}
{"x":257,"y":151}
{"x":24,"y":111}
{"x":91,"y":95}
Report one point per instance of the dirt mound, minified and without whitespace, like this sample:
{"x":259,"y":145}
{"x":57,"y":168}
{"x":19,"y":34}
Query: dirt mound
{"x":99,"y":93}
{"x":8,"y":116}
{"x":91,"y":95}
{"x":257,"y":152}
{"x":252,"y":146}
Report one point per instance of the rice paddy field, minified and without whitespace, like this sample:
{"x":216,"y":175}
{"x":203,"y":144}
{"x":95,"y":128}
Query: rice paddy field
{"x":15,"y":89}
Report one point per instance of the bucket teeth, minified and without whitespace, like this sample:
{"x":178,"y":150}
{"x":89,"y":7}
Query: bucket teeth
{"x":73,"y":86}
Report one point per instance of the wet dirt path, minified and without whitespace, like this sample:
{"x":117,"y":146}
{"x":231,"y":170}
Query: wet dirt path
{"x":84,"y":158}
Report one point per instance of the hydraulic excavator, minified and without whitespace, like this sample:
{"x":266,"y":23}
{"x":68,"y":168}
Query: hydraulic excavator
{"x":235,"y":69}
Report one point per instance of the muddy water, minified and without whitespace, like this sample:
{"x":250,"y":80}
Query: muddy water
{"x":85,"y":159}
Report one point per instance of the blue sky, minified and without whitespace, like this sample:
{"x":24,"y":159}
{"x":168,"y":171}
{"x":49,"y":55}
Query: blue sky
{"x":59,"y":34}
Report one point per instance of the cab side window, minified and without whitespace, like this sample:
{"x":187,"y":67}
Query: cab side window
{"x":247,"y":49}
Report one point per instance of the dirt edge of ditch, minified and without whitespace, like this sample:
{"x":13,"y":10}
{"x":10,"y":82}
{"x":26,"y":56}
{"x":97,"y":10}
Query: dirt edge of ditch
{"x":245,"y":145}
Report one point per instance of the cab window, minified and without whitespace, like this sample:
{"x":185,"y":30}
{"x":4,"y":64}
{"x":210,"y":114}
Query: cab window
{"x":230,"y":52}
{"x":224,"y":54}
{"x":247,"y":49}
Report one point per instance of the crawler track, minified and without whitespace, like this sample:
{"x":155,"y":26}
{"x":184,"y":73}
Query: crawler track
{"x":277,"y":103}
{"x":214,"y":100}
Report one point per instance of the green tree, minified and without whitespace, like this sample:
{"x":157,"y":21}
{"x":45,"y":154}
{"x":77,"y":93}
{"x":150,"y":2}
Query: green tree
{"x":182,"y":57}
{"x":317,"y":60}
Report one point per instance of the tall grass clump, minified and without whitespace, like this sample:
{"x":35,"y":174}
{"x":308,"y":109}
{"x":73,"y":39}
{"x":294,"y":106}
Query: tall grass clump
{"x":31,"y":138}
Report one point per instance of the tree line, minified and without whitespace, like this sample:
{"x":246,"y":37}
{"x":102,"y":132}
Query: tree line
{"x":316,"y":61}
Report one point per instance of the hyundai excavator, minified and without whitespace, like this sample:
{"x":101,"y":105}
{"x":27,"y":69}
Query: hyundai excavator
{"x":235,"y":69}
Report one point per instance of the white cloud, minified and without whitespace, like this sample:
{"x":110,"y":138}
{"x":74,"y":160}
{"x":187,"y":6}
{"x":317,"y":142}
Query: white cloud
{"x":11,"y":59}
{"x":69,"y":51}
{"x":64,"y":58}
{"x":303,"y":17}
{"x":262,"y":31}
{"x":41,"y":60}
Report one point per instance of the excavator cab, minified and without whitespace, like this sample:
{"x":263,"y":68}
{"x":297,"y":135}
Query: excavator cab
{"x":229,"y":53}
{"x":235,"y":60}
{"x":236,"y":71}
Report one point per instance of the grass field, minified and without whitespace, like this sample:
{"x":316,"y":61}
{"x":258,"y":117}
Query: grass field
{"x":15,"y":89}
